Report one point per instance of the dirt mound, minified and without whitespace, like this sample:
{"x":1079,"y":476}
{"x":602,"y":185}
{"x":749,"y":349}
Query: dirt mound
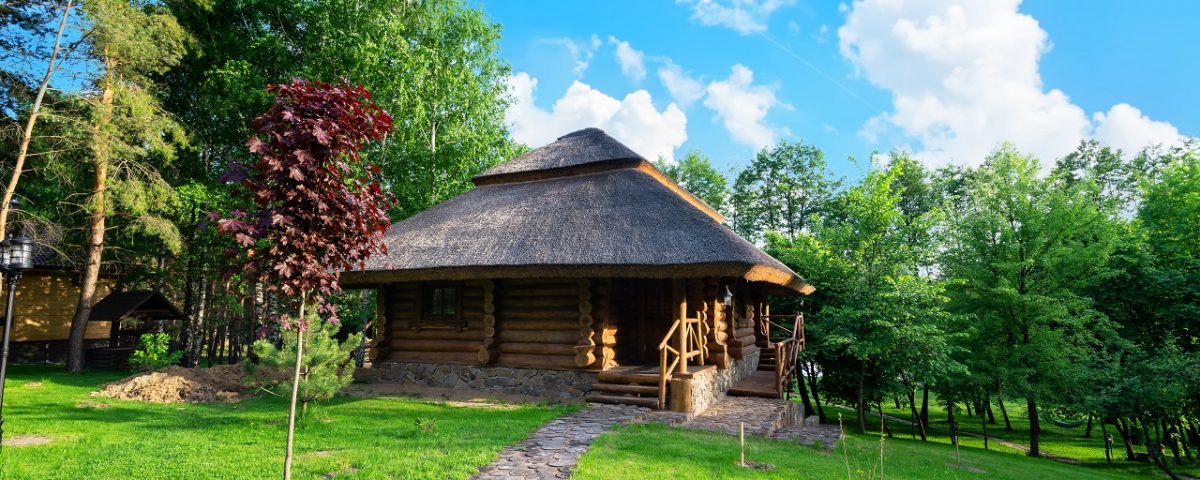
{"x":222,"y":383}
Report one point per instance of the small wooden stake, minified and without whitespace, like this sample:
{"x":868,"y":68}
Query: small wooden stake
{"x":742,"y":440}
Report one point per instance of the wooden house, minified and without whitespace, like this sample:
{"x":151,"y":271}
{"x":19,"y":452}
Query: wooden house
{"x":578,"y":269}
{"x":44,"y":303}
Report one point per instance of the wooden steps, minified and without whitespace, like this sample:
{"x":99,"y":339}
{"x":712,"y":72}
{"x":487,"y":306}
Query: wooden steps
{"x":766,"y":360}
{"x":624,"y":400}
{"x":627,"y":386}
{"x":760,"y":384}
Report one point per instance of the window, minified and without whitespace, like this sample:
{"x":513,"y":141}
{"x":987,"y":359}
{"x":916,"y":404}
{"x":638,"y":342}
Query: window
{"x":440,"y":305}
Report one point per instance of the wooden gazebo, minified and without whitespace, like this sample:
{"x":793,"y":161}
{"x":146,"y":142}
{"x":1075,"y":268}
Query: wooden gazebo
{"x":577,"y":269}
{"x":131,"y":314}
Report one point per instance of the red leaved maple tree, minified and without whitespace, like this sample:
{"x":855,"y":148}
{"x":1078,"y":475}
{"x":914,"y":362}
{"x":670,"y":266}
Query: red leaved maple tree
{"x":319,"y":208}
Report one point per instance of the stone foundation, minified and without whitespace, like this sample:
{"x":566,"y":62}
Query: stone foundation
{"x":708,"y":387}
{"x":562,"y":385}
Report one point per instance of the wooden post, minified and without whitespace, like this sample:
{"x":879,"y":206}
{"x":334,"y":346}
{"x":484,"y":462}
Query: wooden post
{"x":742,"y":441}
{"x":680,"y":292}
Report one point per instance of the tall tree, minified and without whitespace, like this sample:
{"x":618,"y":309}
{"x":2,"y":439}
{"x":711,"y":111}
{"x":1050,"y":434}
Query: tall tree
{"x":131,"y":135}
{"x":27,"y":16}
{"x":318,"y":205}
{"x":695,"y":173}
{"x":781,"y":190}
{"x":436,"y":60}
{"x":878,"y":321}
{"x":1020,"y":251}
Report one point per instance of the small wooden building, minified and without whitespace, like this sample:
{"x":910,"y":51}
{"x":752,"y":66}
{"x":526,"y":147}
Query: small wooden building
{"x":129,"y":315}
{"x":44,"y":303}
{"x":578,"y":269}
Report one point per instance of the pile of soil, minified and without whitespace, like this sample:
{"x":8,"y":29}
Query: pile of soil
{"x":222,"y":383}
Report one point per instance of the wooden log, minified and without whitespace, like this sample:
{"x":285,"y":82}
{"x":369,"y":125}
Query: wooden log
{"x":537,"y":348}
{"x":434,"y":357}
{"x":410,"y":345}
{"x":566,"y":337}
{"x":438,"y":334}
{"x":536,"y":361}
{"x":564,"y":302}
{"x":540,"y":313}
{"x":563,"y":290}
{"x":523,"y":324}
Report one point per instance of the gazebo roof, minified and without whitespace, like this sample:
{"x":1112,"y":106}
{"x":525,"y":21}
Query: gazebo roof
{"x":585,"y":205}
{"x":118,"y":305}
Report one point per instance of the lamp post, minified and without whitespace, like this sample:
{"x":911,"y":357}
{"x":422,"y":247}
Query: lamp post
{"x":16,"y":256}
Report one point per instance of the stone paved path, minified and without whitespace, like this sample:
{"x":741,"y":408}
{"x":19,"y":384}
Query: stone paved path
{"x":552,"y":451}
{"x":764,"y":417}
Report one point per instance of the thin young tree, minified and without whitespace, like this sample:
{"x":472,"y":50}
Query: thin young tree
{"x":34,"y":111}
{"x":319,"y":207}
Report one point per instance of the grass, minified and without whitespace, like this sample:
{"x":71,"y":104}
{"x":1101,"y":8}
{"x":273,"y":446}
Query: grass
{"x":658,"y":451}
{"x":101,"y":438}
{"x":1054,"y":440}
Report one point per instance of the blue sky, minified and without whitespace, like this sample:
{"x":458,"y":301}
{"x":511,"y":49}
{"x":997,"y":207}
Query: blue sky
{"x":946,"y":81}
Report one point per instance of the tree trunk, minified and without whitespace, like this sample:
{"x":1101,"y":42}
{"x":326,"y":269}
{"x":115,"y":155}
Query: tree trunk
{"x":1087,"y":432}
{"x":1107,"y":443}
{"x":1125,"y":430}
{"x":991,"y":416}
{"x":27,"y":134}
{"x":912,"y":403}
{"x":862,"y":403}
{"x":816,"y":393}
{"x":883,"y":420}
{"x":1154,"y":450}
{"x":897,"y":399}
{"x":291,"y":433}
{"x":925,"y":404}
{"x":1035,"y":427}
{"x":1004,"y":413}
{"x":95,"y":246}
{"x":803,"y":388}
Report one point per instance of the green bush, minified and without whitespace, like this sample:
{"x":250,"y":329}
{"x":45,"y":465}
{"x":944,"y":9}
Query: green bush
{"x":327,"y":365}
{"x":153,"y":353}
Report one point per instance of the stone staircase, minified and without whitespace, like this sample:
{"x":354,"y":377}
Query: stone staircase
{"x":627,"y":386}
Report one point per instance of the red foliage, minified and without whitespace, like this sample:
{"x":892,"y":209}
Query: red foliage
{"x":320,"y":208}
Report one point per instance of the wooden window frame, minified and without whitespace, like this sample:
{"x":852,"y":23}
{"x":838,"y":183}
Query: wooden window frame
{"x":426,"y":319}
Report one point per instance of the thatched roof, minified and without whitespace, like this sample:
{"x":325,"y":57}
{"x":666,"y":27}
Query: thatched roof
{"x":585,"y":205}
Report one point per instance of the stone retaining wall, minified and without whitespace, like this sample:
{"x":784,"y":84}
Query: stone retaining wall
{"x":564,"y":385}
{"x":709,"y":387}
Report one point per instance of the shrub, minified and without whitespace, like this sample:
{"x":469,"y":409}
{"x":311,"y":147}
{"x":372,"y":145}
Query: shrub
{"x":154,"y":353}
{"x":327,"y":364}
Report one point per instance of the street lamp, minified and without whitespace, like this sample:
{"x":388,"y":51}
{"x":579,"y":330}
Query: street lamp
{"x":16,"y":256}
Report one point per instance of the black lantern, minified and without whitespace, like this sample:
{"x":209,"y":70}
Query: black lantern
{"x":16,"y":253}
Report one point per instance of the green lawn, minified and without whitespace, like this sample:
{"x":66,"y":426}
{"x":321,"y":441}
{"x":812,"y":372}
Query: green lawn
{"x":100,"y":438}
{"x":1057,"y":441}
{"x":657,"y":451}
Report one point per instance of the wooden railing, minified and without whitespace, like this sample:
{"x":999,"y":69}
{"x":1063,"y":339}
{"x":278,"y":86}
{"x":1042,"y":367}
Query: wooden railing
{"x":689,"y":335}
{"x":787,"y":350}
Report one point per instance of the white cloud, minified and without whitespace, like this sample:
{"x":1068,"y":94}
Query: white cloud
{"x":1126,"y":128}
{"x":742,"y":107}
{"x":633,"y":120}
{"x":744,"y":16}
{"x":580,"y":52}
{"x":684,"y":88}
{"x":633,"y":63}
{"x":965,"y":77}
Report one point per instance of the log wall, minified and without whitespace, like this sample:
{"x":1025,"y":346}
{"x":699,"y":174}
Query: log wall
{"x":512,"y":323}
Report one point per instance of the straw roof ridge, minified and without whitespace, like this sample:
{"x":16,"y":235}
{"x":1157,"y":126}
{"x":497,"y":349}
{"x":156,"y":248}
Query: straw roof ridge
{"x":581,"y":148}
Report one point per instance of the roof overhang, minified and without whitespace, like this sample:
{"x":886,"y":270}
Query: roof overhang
{"x":787,"y":281}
